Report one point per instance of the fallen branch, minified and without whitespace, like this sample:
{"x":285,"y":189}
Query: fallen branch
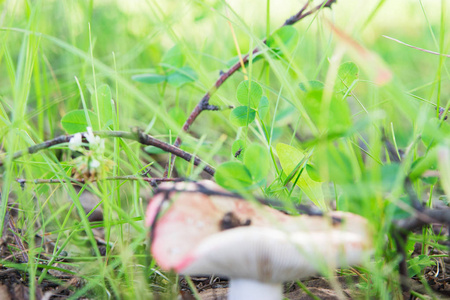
{"x":136,"y":135}
{"x":423,"y":218}
{"x":204,"y":102}
{"x":402,"y":229}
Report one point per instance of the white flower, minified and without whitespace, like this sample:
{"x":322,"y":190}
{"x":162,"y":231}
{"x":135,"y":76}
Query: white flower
{"x":94,"y":141}
{"x":75,"y":142}
{"x":94,"y":164}
{"x":90,"y":137}
{"x":101,"y":147}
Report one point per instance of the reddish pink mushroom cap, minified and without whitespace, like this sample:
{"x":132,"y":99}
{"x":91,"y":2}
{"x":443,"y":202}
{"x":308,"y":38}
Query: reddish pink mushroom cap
{"x":186,"y":218}
{"x":263,"y":244}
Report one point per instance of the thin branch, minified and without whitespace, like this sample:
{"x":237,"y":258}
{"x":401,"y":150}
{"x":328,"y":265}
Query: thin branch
{"x":421,"y":218}
{"x":153,"y":181}
{"x":301,"y":14}
{"x":404,"y":226}
{"x":425,"y":217}
{"x":136,"y":135}
{"x":415,"y":201}
{"x":204,"y":102}
{"x":417,"y":48}
{"x":442,"y":112}
{"x":400,"y":239}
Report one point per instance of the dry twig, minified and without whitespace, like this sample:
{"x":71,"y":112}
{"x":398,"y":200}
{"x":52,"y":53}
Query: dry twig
{"x":136,"y":135}
{"x":204,"y":102}
{"x":153,"y":181}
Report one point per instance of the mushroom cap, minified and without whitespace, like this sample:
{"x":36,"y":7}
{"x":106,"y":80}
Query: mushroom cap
{"x":189,"y":236}
{"x":182,"y":218}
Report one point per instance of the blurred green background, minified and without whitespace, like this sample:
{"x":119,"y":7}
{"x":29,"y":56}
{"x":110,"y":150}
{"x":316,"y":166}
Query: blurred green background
{"x":54,"y":54}
{"x":138,"y":33}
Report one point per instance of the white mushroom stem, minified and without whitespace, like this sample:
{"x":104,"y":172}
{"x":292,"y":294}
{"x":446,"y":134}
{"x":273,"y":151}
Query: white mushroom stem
{"x":251,"y":289}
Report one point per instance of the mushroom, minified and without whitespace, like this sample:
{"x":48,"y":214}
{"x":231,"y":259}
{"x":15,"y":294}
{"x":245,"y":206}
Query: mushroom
{"x":200,"y":228}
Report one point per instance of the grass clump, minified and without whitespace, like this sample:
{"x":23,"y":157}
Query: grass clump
{"x":332,"y":113}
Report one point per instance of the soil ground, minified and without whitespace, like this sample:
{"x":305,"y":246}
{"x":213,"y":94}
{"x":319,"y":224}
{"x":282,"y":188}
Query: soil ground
{"x":14,"y":284}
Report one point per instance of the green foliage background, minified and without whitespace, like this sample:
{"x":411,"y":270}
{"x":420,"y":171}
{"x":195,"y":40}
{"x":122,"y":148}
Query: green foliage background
{"x":57,"y":57}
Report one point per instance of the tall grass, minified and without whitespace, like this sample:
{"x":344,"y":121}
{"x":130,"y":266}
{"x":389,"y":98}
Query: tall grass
{"x":47,"y":46}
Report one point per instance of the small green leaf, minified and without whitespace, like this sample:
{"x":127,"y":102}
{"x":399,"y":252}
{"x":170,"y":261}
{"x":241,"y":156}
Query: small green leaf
{"x":434,"y":132}
{"x":182,"y":76}
{"x":233,"y":176}
{"x":284,"y":38}
{"x":173,"y":59}
{"x":249,"y":93}
{"x":290,"y":157}
{"x":149,"y":78}
{"x":313,"y":173}
{"x":263,"y":107}
{"x":347,"y":73}
{"x":75,"y":121}
{"x":238,"y":149}
{"x":338,"y":114}
{"x":430,"y":180}
{"x":257,"y":160}
{"x":427,"y":162}
{"x":418,"y":264}
{"x":242,"y":115}
{"x":104,"y":105}
{"x":312,"y":85}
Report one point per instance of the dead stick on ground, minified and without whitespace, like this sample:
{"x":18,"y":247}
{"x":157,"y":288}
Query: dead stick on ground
{"x":420,"y":218}
{"x":424,"y":217}
{"x":405,"y":226}
{"x":204,"y":102}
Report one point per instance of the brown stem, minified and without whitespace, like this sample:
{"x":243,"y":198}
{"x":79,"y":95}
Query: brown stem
{"x":425,"y":217}
{"x":153,"y":181}
{"x":204,"y":102}
{"x":301,"y":14}
{"x":400,"y":239}
{"x":136,"y":135}
{"x":405,"y":226}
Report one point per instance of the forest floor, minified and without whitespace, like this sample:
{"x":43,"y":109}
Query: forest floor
{"x":14,"y":283}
